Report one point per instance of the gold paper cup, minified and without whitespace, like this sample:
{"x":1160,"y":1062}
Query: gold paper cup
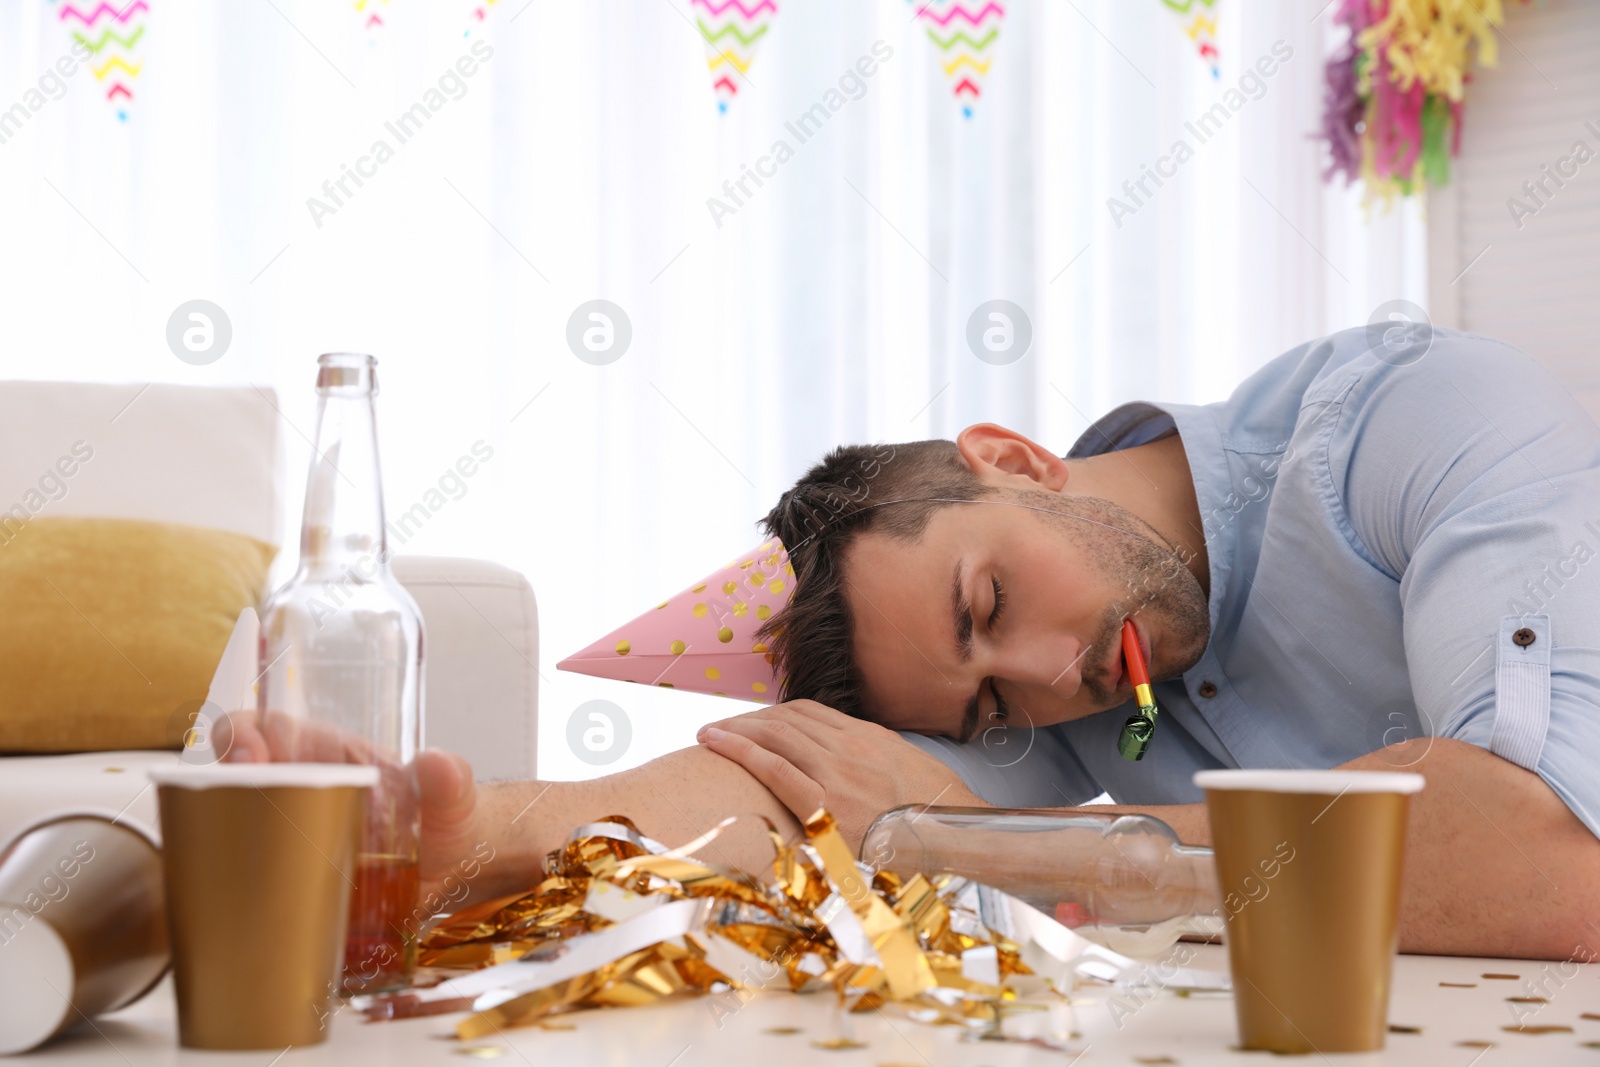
{"x":83,"y":929}
{"x":1309,"y":868}
{"x":259,"y":863}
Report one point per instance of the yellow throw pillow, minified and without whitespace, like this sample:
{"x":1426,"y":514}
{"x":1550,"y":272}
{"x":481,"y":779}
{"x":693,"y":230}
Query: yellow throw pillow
{"x":110,"y":629}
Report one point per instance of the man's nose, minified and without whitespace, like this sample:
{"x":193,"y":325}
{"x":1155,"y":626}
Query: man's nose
{"x":1051,"y":662}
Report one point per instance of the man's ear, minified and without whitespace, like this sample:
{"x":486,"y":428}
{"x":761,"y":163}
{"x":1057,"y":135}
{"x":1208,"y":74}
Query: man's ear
{"x":1004,"y":457}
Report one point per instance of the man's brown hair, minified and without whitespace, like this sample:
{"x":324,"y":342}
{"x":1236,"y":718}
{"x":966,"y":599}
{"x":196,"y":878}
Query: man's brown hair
{"x":817,"y":520}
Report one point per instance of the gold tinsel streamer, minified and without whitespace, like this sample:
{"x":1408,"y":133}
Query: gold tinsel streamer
{"x":795,"y":926}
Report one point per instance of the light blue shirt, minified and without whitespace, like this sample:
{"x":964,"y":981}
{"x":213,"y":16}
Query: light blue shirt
{"x":1399,"y":547}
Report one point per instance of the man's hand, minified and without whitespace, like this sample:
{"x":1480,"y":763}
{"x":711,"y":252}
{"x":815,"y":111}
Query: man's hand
{"x":811,"y":756}
{"x":445,"y":790}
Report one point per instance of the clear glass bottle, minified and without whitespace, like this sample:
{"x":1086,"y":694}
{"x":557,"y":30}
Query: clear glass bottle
{"x":341,"y":663}
{"x":1122,"y":881}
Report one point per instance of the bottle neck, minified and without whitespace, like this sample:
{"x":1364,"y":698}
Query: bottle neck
{"x":343,"y":521}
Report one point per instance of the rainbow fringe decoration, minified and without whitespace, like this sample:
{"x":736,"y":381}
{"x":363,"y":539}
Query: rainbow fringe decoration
{"x":733,"y":30}
{"x":112,"y":34}
{"x":1393,"y":101}
{"x":1202,"y":29}
{"x":965,"y":34}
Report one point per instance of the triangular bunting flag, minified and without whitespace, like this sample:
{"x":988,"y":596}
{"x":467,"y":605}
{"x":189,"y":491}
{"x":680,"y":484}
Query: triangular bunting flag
{"x":733,"y":30}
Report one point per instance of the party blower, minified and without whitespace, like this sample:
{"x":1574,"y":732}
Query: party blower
{"x":1141,"y":726}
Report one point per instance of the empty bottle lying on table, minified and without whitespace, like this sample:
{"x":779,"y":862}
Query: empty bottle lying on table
{"x":341,"y":662}
{"x":1122,"y":881}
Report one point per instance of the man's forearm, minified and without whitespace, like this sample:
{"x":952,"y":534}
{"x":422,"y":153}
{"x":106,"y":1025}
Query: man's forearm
{"x":672,"y":799}
{"x":1496,"y":864}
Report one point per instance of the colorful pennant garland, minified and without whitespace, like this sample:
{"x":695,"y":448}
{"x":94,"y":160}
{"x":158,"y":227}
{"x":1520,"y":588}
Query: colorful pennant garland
{"x":733,"y":30}
{"x":479,"y":14}
{"x":1200,"y":23}
{"x":371,"y":20}
{"x":1393,"y":101}
{"x":112,"y":35}
{"x":966,"y":33}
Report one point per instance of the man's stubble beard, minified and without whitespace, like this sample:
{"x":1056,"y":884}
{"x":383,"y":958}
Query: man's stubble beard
{"x":1133,"y":557}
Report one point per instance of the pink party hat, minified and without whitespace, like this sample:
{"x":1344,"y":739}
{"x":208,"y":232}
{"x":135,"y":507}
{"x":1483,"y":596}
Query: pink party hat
{"x":704,"y":639}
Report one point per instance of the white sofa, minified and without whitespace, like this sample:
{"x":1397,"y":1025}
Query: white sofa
{"x":214,"y":457}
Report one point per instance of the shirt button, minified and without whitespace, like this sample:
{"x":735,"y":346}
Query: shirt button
{"x":1208,"y":690}
{"x":1523,"y":637}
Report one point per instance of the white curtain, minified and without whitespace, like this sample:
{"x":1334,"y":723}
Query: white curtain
{"x":576,"y":163}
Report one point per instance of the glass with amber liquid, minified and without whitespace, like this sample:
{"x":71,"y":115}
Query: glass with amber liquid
{"x":341,"y":669}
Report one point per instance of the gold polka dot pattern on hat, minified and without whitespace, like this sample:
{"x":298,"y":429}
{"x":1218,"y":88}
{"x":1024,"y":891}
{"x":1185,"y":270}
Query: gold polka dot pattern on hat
{"x":759,"y":687}
{"x":665,"y":685}
{"x":623,"y":648}
{"x":759,"y":647}
{"x":724,"y":635}
{"x":661,"y":605}
{"x":776,"y":586}
{"x":741,"y":609}
{"x":713,"y":674}
{"x":701,"y":588}
{"x":758,"y":579}
{"x":747,"y":564}
{"x":700,"y":611}
{"x":677,"y":648}
{"x":728,"y":587}
{"x":763,"y":612}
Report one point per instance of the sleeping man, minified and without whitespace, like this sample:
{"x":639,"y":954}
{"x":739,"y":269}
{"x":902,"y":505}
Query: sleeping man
{"x":1371,"y":556}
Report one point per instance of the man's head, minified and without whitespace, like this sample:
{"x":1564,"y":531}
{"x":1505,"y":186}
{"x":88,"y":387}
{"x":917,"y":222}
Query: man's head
{"x":947,"y":586}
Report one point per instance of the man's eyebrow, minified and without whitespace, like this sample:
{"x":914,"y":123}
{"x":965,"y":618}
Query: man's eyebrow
{"x":962,"y":613}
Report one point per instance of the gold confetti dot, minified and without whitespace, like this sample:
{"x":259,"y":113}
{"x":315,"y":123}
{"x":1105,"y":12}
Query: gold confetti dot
{"x":838,"y":1044}
{"x":728,"y":587}
{"x":782,"y":1031}
{"x":623,"y":648}
{"x":1527,"y":1000}
{"x":763,"y":612}
{"x":758,"y":579}
{"x":759,"y":647}
{"x":665,"y":685}
{"x":701,"y":588}
{"x":700,"y":611}
{"x":1396,"y":1028}
{"x":740,"y":609}
{"x":186,"y":744}
{"x":481,"y":1052}
{"x":724,"y":635}
{"x":1504,"y":977}
{"x":1591,"y":1016}
{"x":1460,"y":985}
{"x":713,"y":673}
{"x":1537,"y":1029}
{"x":1474,"y":1044}
{"x":677,"y":648}
{"x":747,"y":564}
{"x":759,"y":687}
{"x":777,"y":585}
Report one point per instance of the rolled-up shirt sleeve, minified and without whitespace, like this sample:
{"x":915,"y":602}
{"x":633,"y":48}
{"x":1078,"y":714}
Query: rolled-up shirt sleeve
{"x":1472,"y":478}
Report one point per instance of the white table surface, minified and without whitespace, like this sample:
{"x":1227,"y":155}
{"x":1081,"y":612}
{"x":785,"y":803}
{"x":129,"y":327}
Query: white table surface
{"x":1193,"y":1031}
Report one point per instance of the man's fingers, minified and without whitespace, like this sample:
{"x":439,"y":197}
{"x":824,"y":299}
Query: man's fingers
{"x":445,"y":783}
{"x":796,"y":741}
{"x":794,"y":789}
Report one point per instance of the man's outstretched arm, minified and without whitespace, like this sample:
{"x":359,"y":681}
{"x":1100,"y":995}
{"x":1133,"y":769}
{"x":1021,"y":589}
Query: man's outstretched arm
{"x":672,"y":799}
{"x":1496,"y":863}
